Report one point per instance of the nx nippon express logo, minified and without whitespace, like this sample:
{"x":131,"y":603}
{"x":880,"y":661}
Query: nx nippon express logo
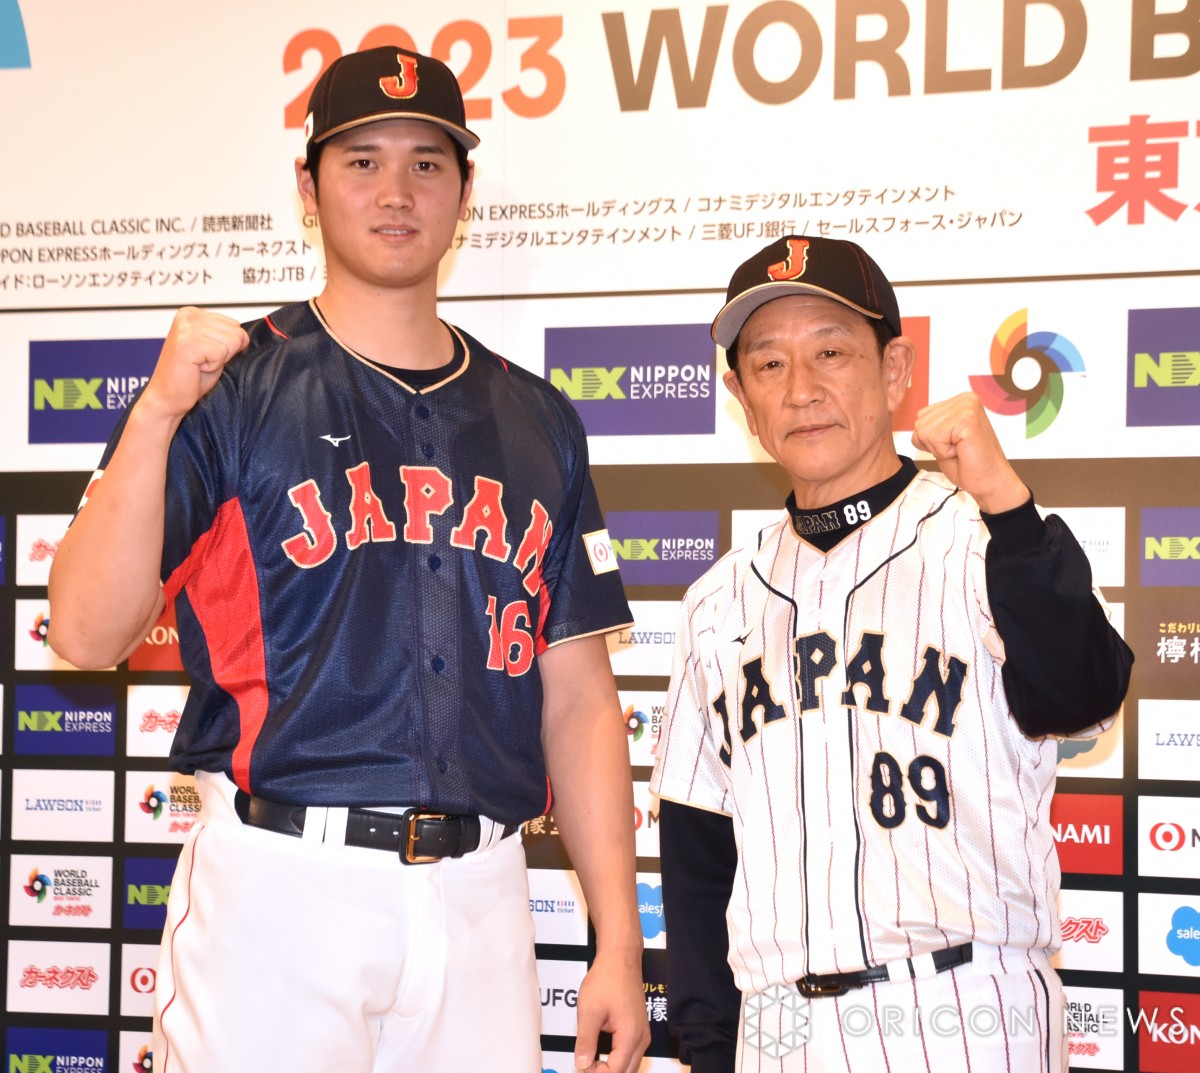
{"x":65,"y":721}
{"x":55,"y":1050}
{"x":1163,"y":384}
{"x":645,"y":380}
{"x":79,"y":388}
{"x":663,"y":547}
{"x":1027,"y":373}
{"x":147,"y":887}
{"x":1170,"y":546}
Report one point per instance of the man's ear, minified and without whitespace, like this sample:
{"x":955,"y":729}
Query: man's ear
{"x":463,"y":212}
{"x":306,"y":186}
{"x":899,"y":356}
{"x":734,"y":384}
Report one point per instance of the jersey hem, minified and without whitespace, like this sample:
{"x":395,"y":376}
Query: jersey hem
{"x":589,"y":633}
{"x":691,"y":804}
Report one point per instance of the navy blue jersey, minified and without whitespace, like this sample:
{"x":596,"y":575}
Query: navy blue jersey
{"x":364,"y":573}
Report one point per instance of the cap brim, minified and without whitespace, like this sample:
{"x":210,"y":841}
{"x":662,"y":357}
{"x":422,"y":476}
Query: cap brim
{"x":735,"y":313}
{"x":461,"y":135}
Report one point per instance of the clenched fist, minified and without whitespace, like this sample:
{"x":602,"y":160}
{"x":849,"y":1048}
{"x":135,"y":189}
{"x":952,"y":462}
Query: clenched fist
{"x":197,"y":348}
{"x":960,"y":437}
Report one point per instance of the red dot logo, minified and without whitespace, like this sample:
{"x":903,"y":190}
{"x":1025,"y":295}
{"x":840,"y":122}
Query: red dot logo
{"x":1167,"y":836}
{"x":142,"y":980}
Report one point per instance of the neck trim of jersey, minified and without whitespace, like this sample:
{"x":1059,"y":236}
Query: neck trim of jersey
{"x":416,"y":381}
{"x":830,"y":525}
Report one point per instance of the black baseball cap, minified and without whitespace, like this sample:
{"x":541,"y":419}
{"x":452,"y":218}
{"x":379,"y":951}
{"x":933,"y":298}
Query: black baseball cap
{"x":388,"y":82}
{"x":799,"y":264}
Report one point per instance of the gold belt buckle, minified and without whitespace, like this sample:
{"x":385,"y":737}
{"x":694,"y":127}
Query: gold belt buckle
{"x":811,"y":988}
{"x":410,"y":834}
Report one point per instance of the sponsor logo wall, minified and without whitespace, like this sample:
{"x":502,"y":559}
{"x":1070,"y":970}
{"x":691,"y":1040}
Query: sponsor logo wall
{"x":602,"y":232}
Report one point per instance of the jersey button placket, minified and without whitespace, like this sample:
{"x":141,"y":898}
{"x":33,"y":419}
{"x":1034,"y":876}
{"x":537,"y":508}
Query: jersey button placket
{"x":438,"y":597}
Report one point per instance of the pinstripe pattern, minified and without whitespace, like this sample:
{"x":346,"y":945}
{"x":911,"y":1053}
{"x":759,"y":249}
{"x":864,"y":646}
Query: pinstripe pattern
{"x":1002,"y":1013}
{"x":826,"y":882}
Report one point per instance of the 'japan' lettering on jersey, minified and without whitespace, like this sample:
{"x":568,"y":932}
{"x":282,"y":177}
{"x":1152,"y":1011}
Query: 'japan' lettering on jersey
{"x":364,"y":573}
{"x":835,"y":705}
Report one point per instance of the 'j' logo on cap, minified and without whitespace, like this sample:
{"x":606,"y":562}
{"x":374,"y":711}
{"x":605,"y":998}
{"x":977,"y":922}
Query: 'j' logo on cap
{"x":793,"y":266}
{"x":402,"y":87}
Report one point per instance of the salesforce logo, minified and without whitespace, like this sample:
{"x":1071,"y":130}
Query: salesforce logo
{"x":650,"y":909}
{"x":1184,"y":937}
{"x":14,"y":47}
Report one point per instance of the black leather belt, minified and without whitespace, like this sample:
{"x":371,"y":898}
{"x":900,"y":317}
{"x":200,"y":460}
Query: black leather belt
{"x":416,"y":836}
{"x":838,"y":983}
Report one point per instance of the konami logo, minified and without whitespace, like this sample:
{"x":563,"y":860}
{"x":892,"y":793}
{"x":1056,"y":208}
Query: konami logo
{"x":1168,"y":1029}
{"x":1089,"y":831}
{"x":160,"y":650}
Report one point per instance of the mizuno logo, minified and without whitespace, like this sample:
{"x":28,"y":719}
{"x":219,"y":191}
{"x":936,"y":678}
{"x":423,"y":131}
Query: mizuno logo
{"x":335,"y":440}
{"x":742,"y":640}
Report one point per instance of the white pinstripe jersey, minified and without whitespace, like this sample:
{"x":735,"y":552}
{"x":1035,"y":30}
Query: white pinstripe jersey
{"x":847,"y":710}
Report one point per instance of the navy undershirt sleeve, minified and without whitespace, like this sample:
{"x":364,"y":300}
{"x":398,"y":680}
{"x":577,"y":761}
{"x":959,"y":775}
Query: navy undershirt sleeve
{"x":1066,"y":668}
{"x":699,"y":858}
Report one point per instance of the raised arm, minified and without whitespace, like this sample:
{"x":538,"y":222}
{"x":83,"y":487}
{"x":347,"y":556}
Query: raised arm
{"x":105,"y":592}
{"x":1066,"y":667}
{"x":588,"y":762}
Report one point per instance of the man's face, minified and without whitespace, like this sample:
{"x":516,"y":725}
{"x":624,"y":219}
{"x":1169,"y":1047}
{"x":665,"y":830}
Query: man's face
{"x":818,"y":396}
{"x":391,"y":195}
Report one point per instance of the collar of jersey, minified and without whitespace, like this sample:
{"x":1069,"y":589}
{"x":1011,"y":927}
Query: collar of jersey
{"x":455,"y":368}
{"x":828,"y":526}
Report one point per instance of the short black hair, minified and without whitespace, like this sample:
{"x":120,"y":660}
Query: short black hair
{"x":883,"y":336}
{"x":313,"y":158}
